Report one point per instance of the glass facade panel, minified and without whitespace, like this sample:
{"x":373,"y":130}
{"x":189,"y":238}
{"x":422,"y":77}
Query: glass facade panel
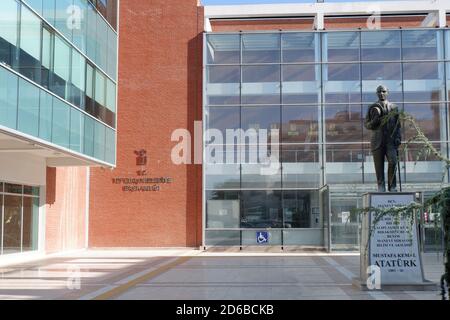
{"x":223,"y":49}
{"x":61,"y":68}
{"x":78,"y":80}
{"x":8,"y":32}
{"x":261,"y":209}
{"x":261,"y":48}
{"x":89,"y":136}
{"x":12,"y":224}
{"x":45,"y":116}
{"x":61,"y":124}
{"x":28,"y":113}
{"x":316,"y":88}
{"x":48,"y":10}
{"x":30,"y":223}
{"x":79,"y":24}
{"x":8,"y":99}
{"x":30,"y":45}
{"x":65,"y":17}
{"x":76,"y":130}
{"x":99,"y":141}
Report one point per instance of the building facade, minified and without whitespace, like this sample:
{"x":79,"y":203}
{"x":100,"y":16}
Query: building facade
{"x":178,"y":165}
{"x":58,"y":80}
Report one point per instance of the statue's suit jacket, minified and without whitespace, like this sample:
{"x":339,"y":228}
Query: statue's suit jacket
{"x":388,"y":134}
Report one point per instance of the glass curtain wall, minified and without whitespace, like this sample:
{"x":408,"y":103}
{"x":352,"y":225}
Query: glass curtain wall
{"x":19,"y":211}
{"x":315,"y":88}
{"x":44,"y":56}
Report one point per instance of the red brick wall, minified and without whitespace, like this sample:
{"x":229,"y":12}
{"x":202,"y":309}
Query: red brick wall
{"x":386,"y":22}
{"x":160,"y":64}
{"x":65,"y":213}
{"x":256,"y":25}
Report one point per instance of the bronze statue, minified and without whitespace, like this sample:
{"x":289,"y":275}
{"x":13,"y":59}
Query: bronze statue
{"x":386,"y":138}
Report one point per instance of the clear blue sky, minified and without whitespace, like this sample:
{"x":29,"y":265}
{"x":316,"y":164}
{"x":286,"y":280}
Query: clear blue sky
{"x":224,"y":2}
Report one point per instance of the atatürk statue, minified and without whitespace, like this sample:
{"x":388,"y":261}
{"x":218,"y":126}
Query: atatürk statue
{"x":386,"y":138}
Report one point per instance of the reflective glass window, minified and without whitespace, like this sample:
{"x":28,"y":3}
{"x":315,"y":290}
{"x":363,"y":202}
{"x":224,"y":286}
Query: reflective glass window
{"x":28,"y":113}
{"x":79,"y":24}
{"x":223,"y":84}
{"x":299,"y":47}
{"x":223,"y":49}
{"x":65,"y":17}
{"x":261,"y":48}
{"x":422,"y":45}
{"x":76,"y":130}
{"x":381,"y":46}
{"x":91,"y":20}
{"x":261,"y":84}
{"x":111,"y":69}
{"x":46,"y":59}
{"x":8,"y":98}
{"x":301,"y":209}
{"x":300,"y":124}
{"x":110,"y":146}
{"x":102,"y":43}
{"x":343,"y":123}
{"x":36,"y":5}
{"x":61,"y":123}
{"x":99,"y":140}
{"x":30,"y":45}
{"x":61,"y":68}
{"x":48,"y":10}
{"x":223,"y":209}
{"x":89,"y":136}
{"x":261,"y":209}
{"x":8,"y":31}
{"x":30,"y":224}
{"x":78,"y":79}
{"x":12,"y":224}
{"x":423,"y":81}
{"x":223,"y":119}
{"x":301,"y":83}
{"x":341,"y":46}
{"x":45,"y":116}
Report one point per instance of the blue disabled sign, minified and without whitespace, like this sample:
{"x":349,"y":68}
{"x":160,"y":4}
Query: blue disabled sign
{"x":262,"y":237}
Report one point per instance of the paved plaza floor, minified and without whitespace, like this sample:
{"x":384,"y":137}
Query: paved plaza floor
{"x":197,"y":275}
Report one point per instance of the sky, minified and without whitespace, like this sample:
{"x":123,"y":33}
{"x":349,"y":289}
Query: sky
{"x":224,"y":2}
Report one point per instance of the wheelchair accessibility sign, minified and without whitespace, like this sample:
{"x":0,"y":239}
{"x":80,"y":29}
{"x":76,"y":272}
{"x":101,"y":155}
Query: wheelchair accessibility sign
{"x":262,"y":237}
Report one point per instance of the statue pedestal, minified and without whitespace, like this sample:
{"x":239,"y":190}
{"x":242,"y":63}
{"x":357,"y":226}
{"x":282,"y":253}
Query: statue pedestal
{"x":391,"y":258}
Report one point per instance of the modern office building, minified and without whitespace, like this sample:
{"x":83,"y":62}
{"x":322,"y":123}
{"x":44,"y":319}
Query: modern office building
{"x":58,"y":79}
{"x":306,"y":73}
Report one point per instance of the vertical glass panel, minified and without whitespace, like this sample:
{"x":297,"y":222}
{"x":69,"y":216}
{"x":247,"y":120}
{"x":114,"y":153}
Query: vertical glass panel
{"x":28,"y":114}
{"x":341,"y":46}
{"x":79,"y":24}
{"x":65,"y":17}
{"x":261,"y":84}
{"x":91,"y":30}
{"x":76,"y":130}
{"x":102,"y":43}
{"x":8,"y":98}
{"x":222,"y":238}
{"x":301,"y":83}
{"x":61,"y":123}
{"x":32,"y":191}
{"x":223,"y":49}
{"x":431,"y":119}
{"x":301,"y":165}
{"x":261,"y":166}
{"x":342,"y":83}
{"x":424,"y":81}
{"x":261,"y":118}
{"x":46,"y":59}
{"x":90,"y":82}
{"x":380,"y":46}
{"x":30,"y":223}
{"x":8,"y":31}
{"x":261,"y":209}
{"x":99,"y":141}
{"x":12,"y":221}
{"x":30,"y":45}
{"x":112,"y":54}
{"x":299,"y":47}
{"x":100,"y":81}
{"x":343,"y":123}
{"x":223,"y":84}
{"x":222,"y":175}
{"x":61,"y":68}
{"x":300,"y":124}
{"x":110,"y":145}
{"x":48,"y":10}
{"x":301,"y":209}
{"x":1,"y":218}
{"x":344,"y":163}
{"x":388,"y":74}
{"x":78,"y":79}
{"x":344,"y":224}
{"x":422,"y":167}
{"x":222,"y":209}
{"x":422,"y":45}
{"x":261,"y":48}
{"x":89,"y":136}
{"x":45,"y":116}
{"x":36,"y":5}
{"x":110,"y":95}
{"x":222,"y":118}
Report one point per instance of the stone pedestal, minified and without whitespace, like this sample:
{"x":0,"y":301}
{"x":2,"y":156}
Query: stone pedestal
{"x":391,"y":258}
